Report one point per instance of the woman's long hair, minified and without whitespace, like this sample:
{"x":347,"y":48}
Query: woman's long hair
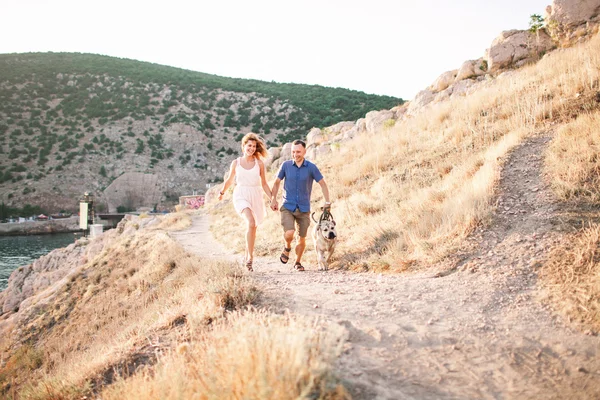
{"x":261,"y":149}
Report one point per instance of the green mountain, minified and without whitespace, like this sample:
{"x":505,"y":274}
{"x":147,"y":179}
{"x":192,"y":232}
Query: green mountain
{"x":73,"y":122}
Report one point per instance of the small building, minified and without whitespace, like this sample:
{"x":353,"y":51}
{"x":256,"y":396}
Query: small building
{"x":192,"y":202}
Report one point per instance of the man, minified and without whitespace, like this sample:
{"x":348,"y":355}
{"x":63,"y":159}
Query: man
{"x":299,"y":175}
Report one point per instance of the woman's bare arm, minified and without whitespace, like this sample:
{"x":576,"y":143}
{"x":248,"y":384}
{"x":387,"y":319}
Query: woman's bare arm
{"x":229,"y":179}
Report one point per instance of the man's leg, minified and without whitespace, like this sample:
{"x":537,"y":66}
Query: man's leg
{"x":288,"y":237}
{"x":300,"y":249}
{"x":303,"y":222}
{"x":287,"y":222}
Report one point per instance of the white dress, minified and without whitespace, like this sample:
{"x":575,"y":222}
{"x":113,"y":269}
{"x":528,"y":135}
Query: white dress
{"x":248,"y":191}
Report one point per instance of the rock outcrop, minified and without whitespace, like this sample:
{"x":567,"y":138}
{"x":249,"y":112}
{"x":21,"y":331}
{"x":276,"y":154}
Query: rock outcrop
{"x":339,"y":128}
{"x":516,"y":47}
{"x":573,"y":13}
{"x":569,"y":21}
{"x":444,"y":80}
{"x":375,"y":120}
{"x":315,"y":137}
{"x":471,"y":69}
{"x":133,"y":190}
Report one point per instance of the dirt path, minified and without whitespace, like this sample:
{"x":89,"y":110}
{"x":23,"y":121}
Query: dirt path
{"x":476,"y":333}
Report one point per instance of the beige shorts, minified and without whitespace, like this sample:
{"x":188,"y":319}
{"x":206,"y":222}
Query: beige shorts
{"x":296,"y":220}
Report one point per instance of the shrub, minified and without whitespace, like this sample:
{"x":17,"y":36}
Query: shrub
{"x":536,"y":22}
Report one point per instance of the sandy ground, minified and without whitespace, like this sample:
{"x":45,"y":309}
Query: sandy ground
{"x":476,"y":331}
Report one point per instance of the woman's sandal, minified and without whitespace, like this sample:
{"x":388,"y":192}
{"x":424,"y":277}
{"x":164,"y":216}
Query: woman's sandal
{"x":298,"y":267}
{"x":284,"y":258}
{"x":249,"y":265}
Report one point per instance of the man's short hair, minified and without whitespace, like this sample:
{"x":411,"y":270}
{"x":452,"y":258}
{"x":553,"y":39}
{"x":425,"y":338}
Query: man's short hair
{"x":298,"y":141}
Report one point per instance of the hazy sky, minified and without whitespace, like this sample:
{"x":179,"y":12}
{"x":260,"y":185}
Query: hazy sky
{"x":379,"y":46}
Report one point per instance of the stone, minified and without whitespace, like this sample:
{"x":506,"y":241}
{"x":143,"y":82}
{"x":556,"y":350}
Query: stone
{"x":361,"y":125}
{"x":273,"y":153}
{"x":315,"y":137}
{"x":464,"y":87}
{"x":375,"y":120}
{"x":350,"y":134}
{"x":466,"y":71}
{"x":471,"y":69}
{"x":340,"y":127}
{"x":276,"y":164}
{"x":30,"y":279}
{"x":516,"y":45}
{"x":399,"y":111}
{"x":444,"y":80}
{"x":323,"y":150}
{"x":421,"y":99}
{"x":286,"y":152}
{"x":570,"y":13}
{"x":480,"y":67}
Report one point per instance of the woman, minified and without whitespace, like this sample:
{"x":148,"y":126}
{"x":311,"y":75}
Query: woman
{"x":249,"y":173}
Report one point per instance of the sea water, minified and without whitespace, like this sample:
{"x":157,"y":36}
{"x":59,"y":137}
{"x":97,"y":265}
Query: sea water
{"x":16,"y":251}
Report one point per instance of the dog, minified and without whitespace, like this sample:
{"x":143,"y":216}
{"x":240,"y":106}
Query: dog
{"x":324,"y":238}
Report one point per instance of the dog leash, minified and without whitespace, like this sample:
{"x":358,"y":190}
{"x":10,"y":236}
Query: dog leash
{"x":326,"y":215}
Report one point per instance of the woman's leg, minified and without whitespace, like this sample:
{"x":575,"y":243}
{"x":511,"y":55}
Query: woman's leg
{"x":250,"y":233}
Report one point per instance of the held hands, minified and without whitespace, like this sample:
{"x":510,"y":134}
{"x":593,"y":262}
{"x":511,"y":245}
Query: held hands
{"x":326,"y":206}
{"x":274,"y":205}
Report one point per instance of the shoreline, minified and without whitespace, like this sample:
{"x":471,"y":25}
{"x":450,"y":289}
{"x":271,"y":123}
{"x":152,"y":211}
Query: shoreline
{"x":28,"y":228}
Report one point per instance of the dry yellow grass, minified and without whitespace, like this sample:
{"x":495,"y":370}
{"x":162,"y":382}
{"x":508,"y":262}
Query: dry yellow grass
{"x":571,"y":277}
{"x":416,"y":190}
{"x":573,"y":159}
{"x":252,"y":355}
{"x":176,"y":221}
{"x":140,"y":289}
{"x":144,"y":319}
{"x":428,"y":182}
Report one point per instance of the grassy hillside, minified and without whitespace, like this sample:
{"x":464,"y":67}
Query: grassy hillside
{"x":69,"y":121}
{"x":143,"y":319}
{"x":416,"y":191}
{"x":170,"y":322}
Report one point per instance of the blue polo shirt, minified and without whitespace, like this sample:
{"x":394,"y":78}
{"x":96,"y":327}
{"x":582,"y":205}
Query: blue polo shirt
{"x":298,"y":184}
